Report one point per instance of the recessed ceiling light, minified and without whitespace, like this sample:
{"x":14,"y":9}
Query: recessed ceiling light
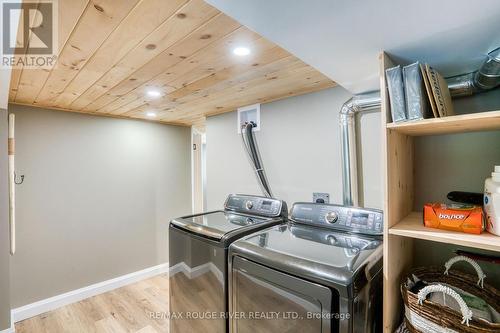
{"x":151,"y":114}
{"x":241,"y":51}
{"x":153,"y":93}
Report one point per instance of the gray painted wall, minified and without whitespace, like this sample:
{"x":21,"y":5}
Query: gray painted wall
{"x":4,"y":225}
{"x":97,"y":198}
{"x":459,"y":162}
{"x":299,"y":142}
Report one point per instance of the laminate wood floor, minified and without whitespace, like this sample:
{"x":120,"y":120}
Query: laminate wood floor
{"x":128,"y":309}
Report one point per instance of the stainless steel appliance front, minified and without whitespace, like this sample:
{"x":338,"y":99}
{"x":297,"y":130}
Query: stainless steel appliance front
{"x":265,"y":300}
{"x":325,"y":267}
{"x":198,"y":249}
{"x":197,"y":285}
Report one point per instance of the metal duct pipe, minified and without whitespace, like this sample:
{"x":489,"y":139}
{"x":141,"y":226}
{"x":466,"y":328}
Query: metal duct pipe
{"x":486,"y":78}
{"x":462,"y":85}
{"x":252,"y":150}
{"x":355,"y":105}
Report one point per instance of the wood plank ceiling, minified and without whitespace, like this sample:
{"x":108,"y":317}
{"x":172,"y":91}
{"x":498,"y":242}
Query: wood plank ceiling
{"x":112,"y":52}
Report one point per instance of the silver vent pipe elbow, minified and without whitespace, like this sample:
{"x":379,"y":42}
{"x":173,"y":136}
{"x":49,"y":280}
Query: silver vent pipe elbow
{"x":356,"y":105}
{"x":485,"y":78}
{"x":488,"y":75}
{"x":462,"y":85}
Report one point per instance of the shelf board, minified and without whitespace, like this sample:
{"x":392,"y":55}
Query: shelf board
{"x":472,"y":122}
{"x":412,"y":226}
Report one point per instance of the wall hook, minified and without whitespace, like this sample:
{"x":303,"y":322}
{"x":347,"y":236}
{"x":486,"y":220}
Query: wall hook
{"x":18,"y":182}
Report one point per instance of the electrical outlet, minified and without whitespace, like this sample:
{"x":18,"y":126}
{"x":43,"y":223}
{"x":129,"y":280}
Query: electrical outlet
{"x":321,"y":197}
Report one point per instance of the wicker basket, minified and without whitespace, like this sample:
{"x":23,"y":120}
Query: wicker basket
{"x":439,"y":318}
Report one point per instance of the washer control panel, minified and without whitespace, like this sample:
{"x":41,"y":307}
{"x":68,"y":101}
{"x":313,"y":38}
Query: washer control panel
{"x":255,"y":205}
{"x":355,"y":219}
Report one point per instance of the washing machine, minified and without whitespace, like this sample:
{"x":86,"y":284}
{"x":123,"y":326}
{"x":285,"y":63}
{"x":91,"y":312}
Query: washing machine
{"x":322,"y":272}
{"x":198,"y":257}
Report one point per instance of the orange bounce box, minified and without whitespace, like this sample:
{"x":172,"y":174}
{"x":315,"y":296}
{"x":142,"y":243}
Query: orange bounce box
{"x":464,"y":218}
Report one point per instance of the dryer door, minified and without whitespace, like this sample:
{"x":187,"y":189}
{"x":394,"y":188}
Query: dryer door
{"x":265,"y":300}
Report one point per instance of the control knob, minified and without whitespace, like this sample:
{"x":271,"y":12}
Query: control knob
{"x":331,"y":217}
{"x":249,"y":204}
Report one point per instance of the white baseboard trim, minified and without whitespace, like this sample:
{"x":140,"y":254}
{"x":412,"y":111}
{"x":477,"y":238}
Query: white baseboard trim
{"x":36,"y":308}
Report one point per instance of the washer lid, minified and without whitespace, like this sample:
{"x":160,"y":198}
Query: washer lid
{"x":310,"y":251}
{"x":217,"y":224}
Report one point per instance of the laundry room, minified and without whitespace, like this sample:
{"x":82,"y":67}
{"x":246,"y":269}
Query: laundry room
{"x":249,"y":166}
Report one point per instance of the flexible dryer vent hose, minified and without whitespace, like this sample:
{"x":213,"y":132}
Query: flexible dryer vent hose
{"x":250,"y":144}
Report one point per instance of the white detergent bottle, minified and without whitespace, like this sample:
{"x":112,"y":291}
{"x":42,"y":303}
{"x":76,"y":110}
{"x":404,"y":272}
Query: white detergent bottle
{"x":492,"y":202}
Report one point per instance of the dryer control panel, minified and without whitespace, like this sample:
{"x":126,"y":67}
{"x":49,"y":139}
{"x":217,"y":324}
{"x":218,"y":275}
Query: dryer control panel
{"x":255,"y":205}
{"x":353,"y":219}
